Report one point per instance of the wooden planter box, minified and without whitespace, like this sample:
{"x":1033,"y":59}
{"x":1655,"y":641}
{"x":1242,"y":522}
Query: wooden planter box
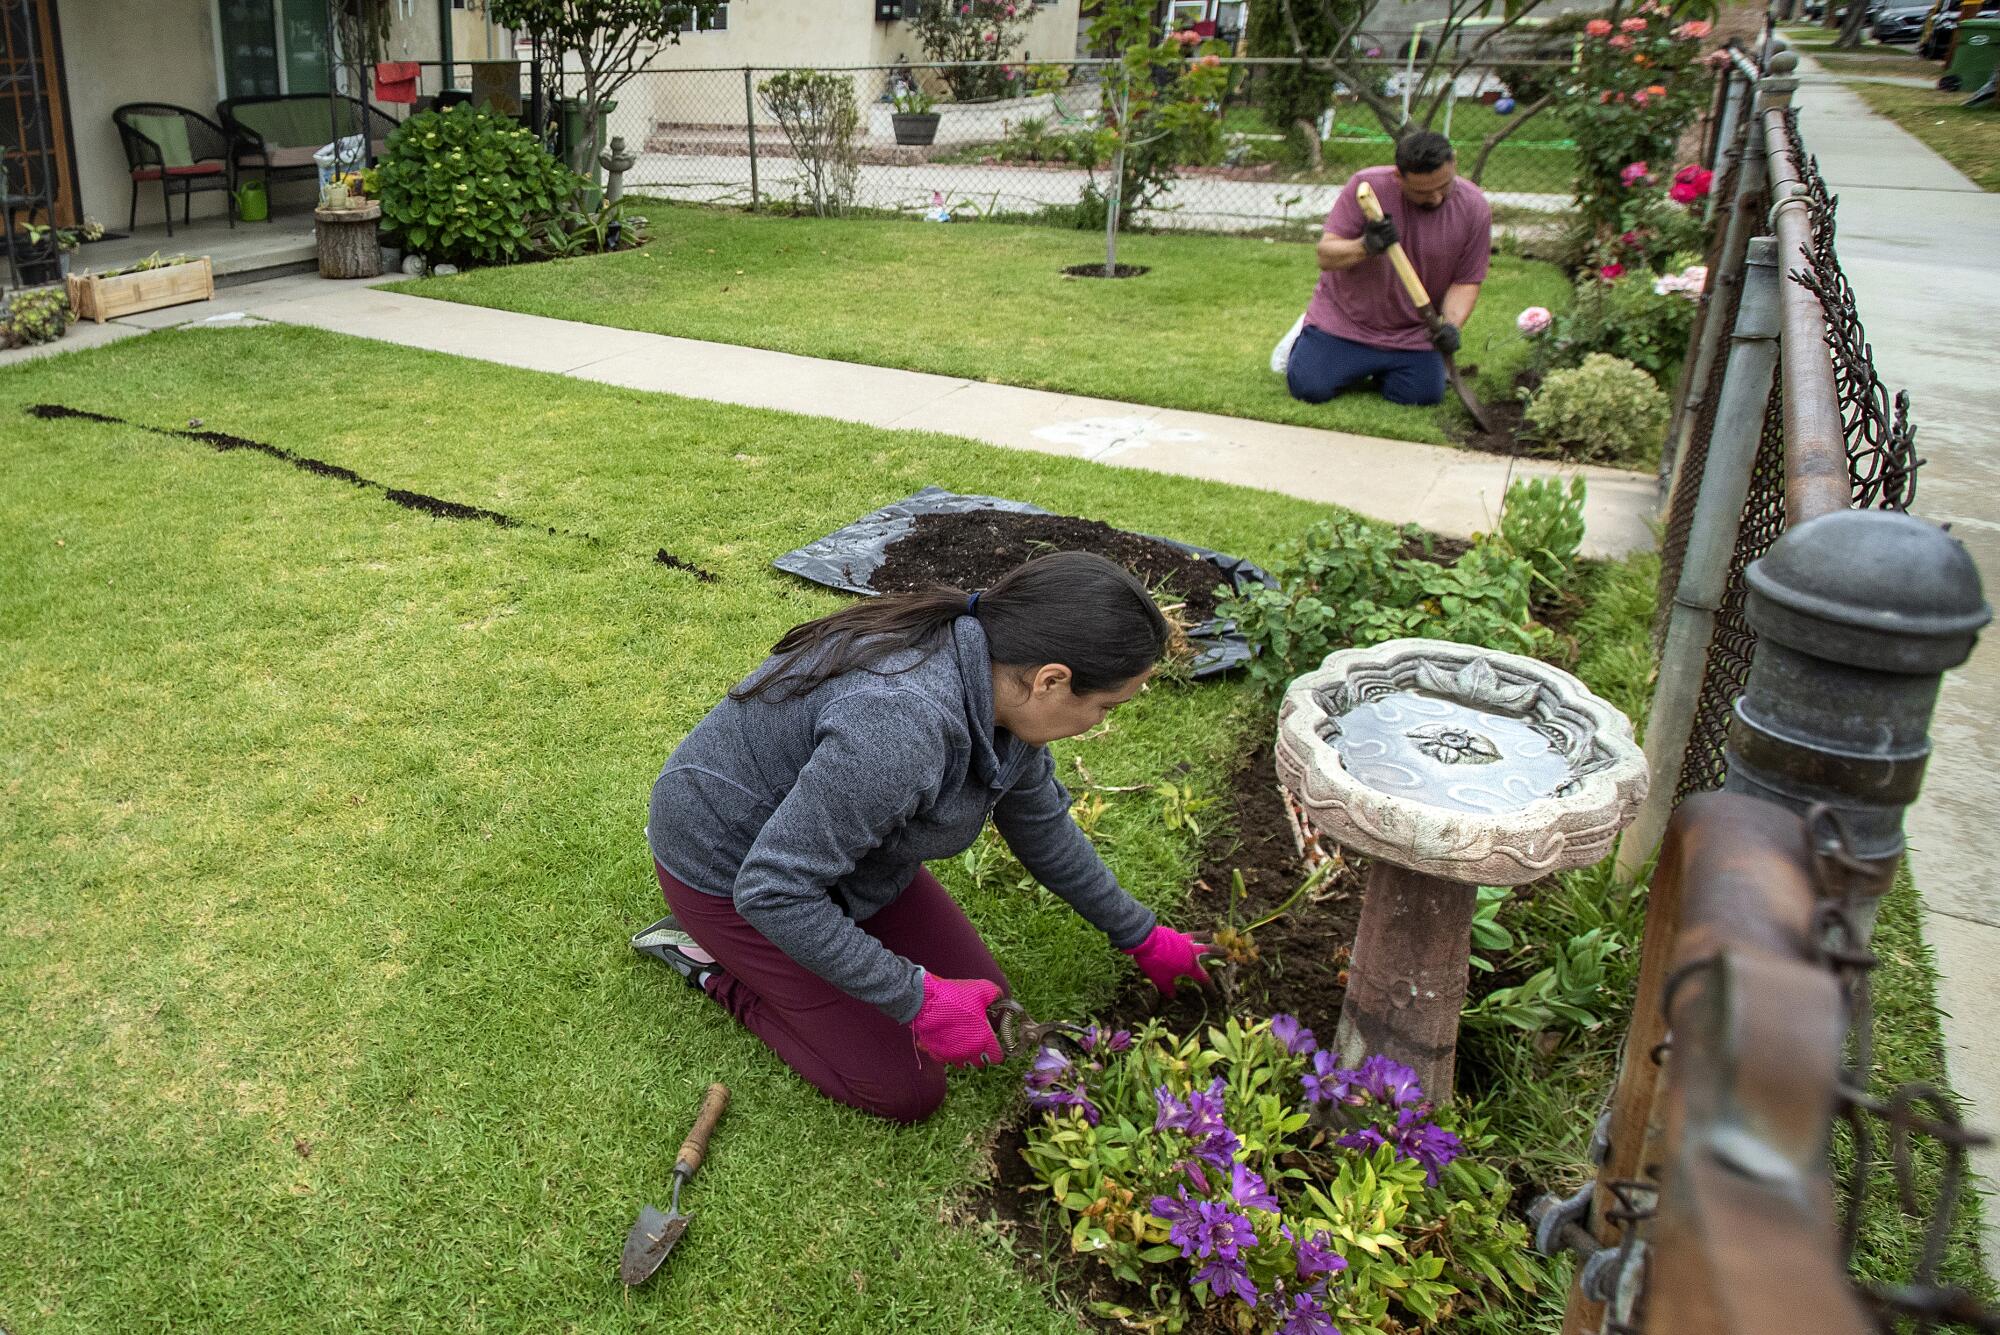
{"x":96,"y":297}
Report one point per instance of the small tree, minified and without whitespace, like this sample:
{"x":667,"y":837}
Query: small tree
{"x":1158,"y":108}
{"x":819,"y":117}
{"x":1296,"y":96}
{"x":605,"y":37}
{"x":972,"y":30}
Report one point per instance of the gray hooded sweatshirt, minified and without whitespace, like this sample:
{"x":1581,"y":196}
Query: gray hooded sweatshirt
{"x":813,"y":813}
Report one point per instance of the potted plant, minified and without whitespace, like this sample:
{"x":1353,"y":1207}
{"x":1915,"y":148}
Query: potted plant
{"x":156,"y":281}
{"x":66,"y":239}
{"x":916,"y":124}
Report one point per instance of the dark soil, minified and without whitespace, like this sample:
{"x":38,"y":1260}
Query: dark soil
{"x":973,"y":549}
{"x":672,"y":562}
{"x":1300,"y":967}
{"x":1505,"y":415}
{"x":435,"y":506}
{"x":1097,"y":271}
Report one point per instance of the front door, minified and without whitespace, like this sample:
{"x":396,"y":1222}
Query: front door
{"x":35,"y":149}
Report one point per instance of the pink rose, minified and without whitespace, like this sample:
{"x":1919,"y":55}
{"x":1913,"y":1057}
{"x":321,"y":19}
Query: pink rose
{"x":1694,"y":30}
{"x":1209,"y":62}
{"x":1717,"y":58}
{"x":1611,"y":271}
{"x":1639,"y":98}
{"x":1620,"y":43}
{"x":1629,"y":239}
{"x":1533,"y":321}
{"x":989,"y":37}
{"x":1634,"y":173}
{"x":1632,"y":25}
{"x":1682,"y":193}
{"x":1598,"y":27}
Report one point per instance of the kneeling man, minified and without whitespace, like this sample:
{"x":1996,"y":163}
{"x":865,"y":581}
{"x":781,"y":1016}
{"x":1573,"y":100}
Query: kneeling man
{"x":1361,"y":324}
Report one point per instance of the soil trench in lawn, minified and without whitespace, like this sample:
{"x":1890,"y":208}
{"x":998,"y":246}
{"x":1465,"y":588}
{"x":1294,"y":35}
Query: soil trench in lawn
{"x":1300,"y":967}
{"x":435,"y":506}
{"x":973,"y":549}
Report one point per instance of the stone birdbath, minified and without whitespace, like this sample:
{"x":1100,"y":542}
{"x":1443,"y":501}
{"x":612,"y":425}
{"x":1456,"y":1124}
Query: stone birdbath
{"x":1451,"y":767}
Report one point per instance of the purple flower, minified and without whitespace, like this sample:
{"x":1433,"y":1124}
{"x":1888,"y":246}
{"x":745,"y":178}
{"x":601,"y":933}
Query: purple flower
{"x":1366,"y":1139}
{"x":1427,"y":1143}
{"x":1225,"y":1275}
{"x":1203,"y":1228}
{"x":1248,"y":1190}
{"x":1315,"y":1257}
{"x":1390,"y":1081}
{"x":1055,"y":1100}
{"x":1200,"y":1117}
{"x":1298,"y":1039}
{"x":1048,"y":1068}
{"x":1328,"y":1083}
{"x":1308,"y":1317}
{"x":1115,"y":1040}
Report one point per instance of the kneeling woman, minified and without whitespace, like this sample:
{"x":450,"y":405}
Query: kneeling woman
{"x":790,"y":829}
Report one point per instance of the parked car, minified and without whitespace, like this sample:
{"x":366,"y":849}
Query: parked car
{"x":1936,"y":43}
{"x":1902,"y":23}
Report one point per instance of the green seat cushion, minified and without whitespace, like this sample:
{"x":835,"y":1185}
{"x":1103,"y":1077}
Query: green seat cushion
{"x":170,"y":134}
{"x":305,"y":122}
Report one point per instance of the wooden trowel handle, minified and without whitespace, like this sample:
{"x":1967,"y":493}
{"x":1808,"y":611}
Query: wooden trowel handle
{"x":695,"y":1147}
{"x":1371,"y":208}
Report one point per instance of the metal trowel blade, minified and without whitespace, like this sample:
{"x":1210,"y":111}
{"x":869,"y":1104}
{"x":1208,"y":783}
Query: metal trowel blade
{"x":653,"y":1235}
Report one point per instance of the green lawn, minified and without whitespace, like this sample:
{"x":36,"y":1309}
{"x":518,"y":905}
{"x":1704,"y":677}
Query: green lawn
{"x":321,"y":843}
{"x":321,"y":839}
{"x":990,"y":302}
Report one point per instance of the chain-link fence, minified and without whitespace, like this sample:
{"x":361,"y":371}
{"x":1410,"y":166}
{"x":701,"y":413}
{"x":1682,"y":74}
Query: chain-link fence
{"x":1714,"y":1211}
{"x":988,"y":141}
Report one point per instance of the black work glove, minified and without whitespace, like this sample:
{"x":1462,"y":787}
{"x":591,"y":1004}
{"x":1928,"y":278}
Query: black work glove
{"x":1379,"y":235}
{"x":1445,"y":337}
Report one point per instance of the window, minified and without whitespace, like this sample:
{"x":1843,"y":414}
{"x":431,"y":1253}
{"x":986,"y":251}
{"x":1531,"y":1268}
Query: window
{"x":271,"y":46}
{"x":717,"y":20}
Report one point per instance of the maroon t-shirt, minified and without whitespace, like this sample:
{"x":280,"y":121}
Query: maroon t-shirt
{"x":1448,"y":244}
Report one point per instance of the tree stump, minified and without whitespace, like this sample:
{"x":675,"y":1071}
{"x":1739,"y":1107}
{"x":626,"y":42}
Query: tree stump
{"x":348,"y":247}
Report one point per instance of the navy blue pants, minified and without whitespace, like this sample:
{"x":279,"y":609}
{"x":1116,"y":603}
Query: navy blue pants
{"x":1324,"y":364}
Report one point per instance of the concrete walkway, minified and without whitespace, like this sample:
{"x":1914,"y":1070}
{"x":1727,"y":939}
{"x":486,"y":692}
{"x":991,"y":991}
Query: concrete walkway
{"x":1921,"y":244}
{"x":1453,"y":492}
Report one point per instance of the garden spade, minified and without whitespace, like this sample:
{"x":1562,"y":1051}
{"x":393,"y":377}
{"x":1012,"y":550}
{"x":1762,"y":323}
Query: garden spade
{"x":1371,"y":207}
{"x":654,"y":1234}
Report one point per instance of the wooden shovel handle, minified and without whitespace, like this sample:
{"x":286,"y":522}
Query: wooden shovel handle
{"x":1371,"y":208}
{"x":695,"y":1147}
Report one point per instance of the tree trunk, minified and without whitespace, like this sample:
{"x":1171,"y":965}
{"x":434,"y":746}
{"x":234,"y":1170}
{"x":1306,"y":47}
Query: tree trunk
{"x":1315,"y":156}
{"x":1406,"y":981}
{"x":1854,"y":26}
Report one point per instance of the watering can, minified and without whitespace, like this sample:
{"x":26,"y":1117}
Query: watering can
{"x":252,"y":203}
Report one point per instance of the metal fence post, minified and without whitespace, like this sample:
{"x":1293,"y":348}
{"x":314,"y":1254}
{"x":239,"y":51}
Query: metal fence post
{"x":750,"y":124}
{"x":1858,"y":616}
{"x":1748,"y":147}
{"x":1725,"y":481}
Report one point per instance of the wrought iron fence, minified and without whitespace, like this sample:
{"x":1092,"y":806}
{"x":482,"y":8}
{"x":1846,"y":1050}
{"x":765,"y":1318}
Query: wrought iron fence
{"x":1715,"y":1210}
{"x":1022,"y":144}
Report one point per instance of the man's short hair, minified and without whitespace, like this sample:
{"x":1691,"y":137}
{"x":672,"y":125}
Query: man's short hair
{"x":1423,"y":151}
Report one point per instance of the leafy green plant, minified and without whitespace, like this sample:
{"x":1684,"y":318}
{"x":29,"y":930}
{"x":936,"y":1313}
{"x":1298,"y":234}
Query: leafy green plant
{"x":1606,"y":410}
{"x":1488,"y":932}
{"x":1349,"y":582}
{"x":37,"y":315}
{"x":910,"y":100}
{"x":820,"y":120}
{"x":1158,"y":106}
{"x":1543,"y":525}
{"x":1632,"y":317}
{"x":1570,"y":993}
{"x":1243,"y":1171}
{"x":1179,"y":806}
{"x":966,"y":31}
{"x":466,"y":186}
{"x":153,"y":261}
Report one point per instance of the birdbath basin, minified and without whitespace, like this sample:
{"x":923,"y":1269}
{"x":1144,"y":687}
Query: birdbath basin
{"x":1451,"y":767}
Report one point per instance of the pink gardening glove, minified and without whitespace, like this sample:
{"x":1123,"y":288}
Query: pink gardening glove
{"x":1166,"y":955}
{"x":951,"y":1025}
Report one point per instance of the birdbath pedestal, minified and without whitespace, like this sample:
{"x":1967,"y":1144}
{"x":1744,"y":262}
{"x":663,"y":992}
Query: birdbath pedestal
{"x":1451,"y":767}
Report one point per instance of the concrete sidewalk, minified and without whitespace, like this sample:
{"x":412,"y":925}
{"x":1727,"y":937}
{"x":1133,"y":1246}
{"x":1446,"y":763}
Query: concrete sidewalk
{"x":1921,"y":245}
{"x":1453,"y":492}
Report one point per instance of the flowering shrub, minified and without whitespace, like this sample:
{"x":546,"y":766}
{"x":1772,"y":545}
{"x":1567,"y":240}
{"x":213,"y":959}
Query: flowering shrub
{"x":1247,"y":1169}
{"x":469,"y":187}
{"x":1606,"y":410}
{"x":1170,"y":87}
{"x":1639,"y":84}
{"x":972,"y":30}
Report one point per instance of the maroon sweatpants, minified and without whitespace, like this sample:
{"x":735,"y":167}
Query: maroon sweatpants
{"x":847,"y":1049}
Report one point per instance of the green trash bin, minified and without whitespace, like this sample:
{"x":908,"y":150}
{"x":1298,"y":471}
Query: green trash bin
{"x":573,"y":138}
{"x":1978,"y":52}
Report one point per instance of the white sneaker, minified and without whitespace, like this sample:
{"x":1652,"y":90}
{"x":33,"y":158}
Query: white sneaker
{"x":1281,"y":356}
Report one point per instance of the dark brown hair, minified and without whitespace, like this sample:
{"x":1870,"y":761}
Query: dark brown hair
{"x":1072,"y":608}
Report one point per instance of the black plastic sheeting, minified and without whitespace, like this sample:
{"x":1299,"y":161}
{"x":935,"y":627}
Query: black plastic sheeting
{"x":847,"y":558}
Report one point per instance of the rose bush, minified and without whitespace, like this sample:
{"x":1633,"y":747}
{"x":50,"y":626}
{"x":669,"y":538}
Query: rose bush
{"x":1246,"y":1168}
{"x":973,"y":30}
{"x":1638,"y":85}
